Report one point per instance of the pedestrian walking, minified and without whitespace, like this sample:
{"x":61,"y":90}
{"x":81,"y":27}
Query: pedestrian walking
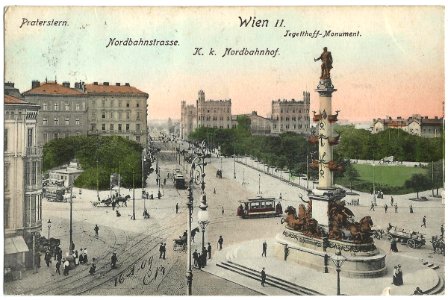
{"x":113,"y":260}
{"x":81,"y":256}
{"x":399,"y":275}
{"x":209,"y":251}
{"x":96,"y":229}
{"x":60,"y":254}
{"x":372,"y":206}
{"x":411,"y":210}
{"x":72,"y":246}
{"x":58,"y":267}
{"x":423,"y":222}
{"x":204,"y":254}
{"x":263,"y":277}
{"x":66,"y":267}
{"x":164,"y":250}
{"x":394,"y":276}
{"x":265,"y":248}
{"x":385,"y":208}
{"x":47,"y":258}
{"x":442,"y":230}
{"x":177,"y":208}
{"x":222,"y":210}
{"x":220,"y":242}
{"x":86,"y":259}
{"x":195,"y":258}
{"x":92,"y":269}
{"x":161,"y":250}
{"x":393,"y":245}
{"x":76,"y":256}
{"x":214,"y":191}
{"x":396,"y":208}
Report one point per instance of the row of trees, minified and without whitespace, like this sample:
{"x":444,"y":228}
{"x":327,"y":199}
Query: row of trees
{"x":361,"y":144}
{"x":113,"y":153}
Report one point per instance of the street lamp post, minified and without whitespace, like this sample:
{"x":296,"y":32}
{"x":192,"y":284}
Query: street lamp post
{"x":97,"y":182}
{"x":259,"y":181}
{"x":71,"y":221}
{"x":133,"y":195}
{"x":143,"y":178}
{"x":190,"y":212}
{"x":49,"y":226}
{"x":338,"y":259}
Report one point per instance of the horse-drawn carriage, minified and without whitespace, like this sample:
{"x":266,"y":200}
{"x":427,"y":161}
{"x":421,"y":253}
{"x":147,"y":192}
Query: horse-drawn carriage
{"x":117,"y":201}
{"x":412,"y":239}
{"x":377,"y":232}
{"x":180,"y":244}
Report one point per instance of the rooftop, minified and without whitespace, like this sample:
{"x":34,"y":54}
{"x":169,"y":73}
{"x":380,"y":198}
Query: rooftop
{"x":14,"y":100}
{"x":52,"y":88}
{"x":105,"y":88}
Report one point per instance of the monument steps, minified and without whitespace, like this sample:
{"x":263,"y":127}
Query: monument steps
{"x":439,"y":289}
{"x":271,"y":280}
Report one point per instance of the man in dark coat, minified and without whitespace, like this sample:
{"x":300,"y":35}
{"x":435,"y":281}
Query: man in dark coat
{"x":161,"y":250}
{"x":265,"y":248}
{"x":220,"y":242}
{"x":58,"y":267}
{"x":113,"y":260}
{"x":195,"y":258}
{"x":263,"y":277}
{"x":209,"y":251}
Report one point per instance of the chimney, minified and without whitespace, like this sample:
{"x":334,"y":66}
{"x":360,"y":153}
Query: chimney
{"x":426,"y":117}
{"x":66,"y":84}
{"x":11,"y":84}
{"x":436,"y":117}
{"x":35,"y":84}
{"x":105,"y":83}
{"x":127,"y":84}
{"x":77,"y":85}
{"x":117,"y":84}
{"x":95,"y":83}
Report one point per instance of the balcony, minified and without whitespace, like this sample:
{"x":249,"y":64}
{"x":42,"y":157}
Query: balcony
{"x":34,"y":151}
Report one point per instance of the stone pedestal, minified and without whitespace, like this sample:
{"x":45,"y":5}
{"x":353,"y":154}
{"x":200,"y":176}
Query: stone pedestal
{"x":363,"y":260}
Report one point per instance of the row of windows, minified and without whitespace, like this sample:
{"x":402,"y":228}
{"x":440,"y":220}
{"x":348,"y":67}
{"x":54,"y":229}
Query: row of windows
{"x":31,"y":172}
{"x":222,"y":110}
{"x":111,"y":115}
{"x":208,"y":118}
{"x":294,"y":111}
{"x":112,"y":103}
{"x":33,"y":209}
{"x":56,"y":122}
{"x":66,"y":106}
{"x":29,"y":138}
{"x":112,"y":127}
{"x":56,"y":135}
{"x":293,"y":127}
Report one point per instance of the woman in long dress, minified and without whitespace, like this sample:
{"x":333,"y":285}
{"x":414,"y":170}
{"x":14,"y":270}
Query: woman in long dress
{"x":394,"y":276}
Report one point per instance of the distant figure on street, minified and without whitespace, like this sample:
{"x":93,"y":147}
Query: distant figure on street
{"x":164,"y":250}
{"x":285,"y":252}
{"x":222,"y":210}
{"x":145,"y":214}
{"x":220,"y":241}
{"x":209,"y":251}
{"x":96,"y":230}
{"x":280,"y":196}
{"x":442,"y":230}
{"x":76,"y":256}
{"x":399,"y":276}
{"x":265,"y":248}
{"x":58,"y":267}
{"x":424,"y":222}
{"x":385,"y":208}
{"x":214,"y":191}
{"x":92,"y":269}
{"x":195,"y":258}
{"x":204,"y":254}
{"x":161,"y":250}
{"x":396,"y":208}
{"x":177,"y":208}
{"x":263,"y":277}
{"x":372,"y":206}
{"x":66,"y":267}
{"x":117,"y":213}
{"x":394,"y":275}
{"x":391,"y":201}
{"x":86,"y":259}
{"x":411,"y":210}
{"x":393,"y":245}
{"x":113,"y":260}
{"x":47,"y":258}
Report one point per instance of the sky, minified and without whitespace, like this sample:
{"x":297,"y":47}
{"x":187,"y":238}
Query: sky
{"x":395,"y":67}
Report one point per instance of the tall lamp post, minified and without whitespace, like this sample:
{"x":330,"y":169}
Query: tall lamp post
{"x":97,"y":182}
{"x":259,"y":181}
{"x":49,"y":226}
{"x":143,"y":178}
{"x":189,"y":274}
{"x":338,"y":259}
{"x":133,"y":195}
{"x":70,"y":248}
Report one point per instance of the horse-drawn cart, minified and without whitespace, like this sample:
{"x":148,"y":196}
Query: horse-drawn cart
{"x":180,"y":244}
{"x":438,"y":243}
{"x":412,"y":239}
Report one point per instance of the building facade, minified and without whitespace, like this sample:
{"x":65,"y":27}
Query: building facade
{"x":187,"y":119}
{"x":117,"y":110}
{"x":259,"y":125}
{"x":416,"y":125}
{"x":291,"y":115}
{"x":89,"y":109}
{"x":63,"y":110}
{"x":22,"y":183}
{"x":213,"y":113}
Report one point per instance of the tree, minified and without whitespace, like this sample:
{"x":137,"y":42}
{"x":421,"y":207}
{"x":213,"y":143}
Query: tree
{"x":436,"y":173}
{"x":418,"y":182}
{"x":351,"y":173}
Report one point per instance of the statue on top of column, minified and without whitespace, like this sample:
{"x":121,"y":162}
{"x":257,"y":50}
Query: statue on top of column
{"x":327,"y":63}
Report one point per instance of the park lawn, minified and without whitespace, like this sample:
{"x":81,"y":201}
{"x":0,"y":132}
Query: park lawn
{"x":394,"y":176}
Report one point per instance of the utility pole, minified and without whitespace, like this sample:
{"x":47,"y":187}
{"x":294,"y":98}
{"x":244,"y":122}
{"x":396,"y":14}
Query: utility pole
{"x":97,"y":181}
{"x":133,"y":196}
{"x":71,"y":221}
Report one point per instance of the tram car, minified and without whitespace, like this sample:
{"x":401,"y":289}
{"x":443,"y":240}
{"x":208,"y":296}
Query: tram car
{"x":259,"y":208}
{"x":179,"y":181}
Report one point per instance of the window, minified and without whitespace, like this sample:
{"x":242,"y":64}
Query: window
{"x":44,"y":106}
{"x":111,"y":115}
{"x":67,"y":106}
{"x":103,"y":102}
{"x":56,"y":121}
{"x":138,"y":105}
{"x":44,"y":121}
{"x":5,"y":140}
{"x":6,"y":213}
{"x":67,"y":121}
{"x":137,"y":127}
{"x":103,"y":115}
{"x":119,"y":103}
{"x":27,"y":172}
{"x":30,"y":137}
{"x":77,"y":106}
{"x":111,"y":127}
{"x":137,"y":138}
{"x":103,"y":127}
{"x":56,"y":106}
{"x":34,"y":173}
{"x":138,"y":115}
{"x":128,"y":115}
{"x":77,"y":122}
{"x":127,"y":127}
{"x":5,"y":178}
{"x":119,"y":127}
{"x":127,"y":104}
{"x":45,"y":137}
{"x":56,"y":135}
{"x":119,"y":116}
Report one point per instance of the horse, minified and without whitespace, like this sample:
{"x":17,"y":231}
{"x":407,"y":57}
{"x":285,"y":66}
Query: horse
{"x":122,"y":199}
{"x":193,"y":233}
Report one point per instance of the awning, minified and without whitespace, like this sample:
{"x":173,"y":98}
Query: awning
{"x":15,"y":245}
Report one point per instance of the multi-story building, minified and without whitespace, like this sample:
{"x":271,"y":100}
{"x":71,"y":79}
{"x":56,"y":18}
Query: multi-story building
{"x":291,"y":115}
{"x":117,"y":110}
{"x":63,"y":110}
{"x":187,"y":119}
{"x":89,"y":109}
{"x":213,"y":113}
{"x":22,"y":183}
{"x":206,"y":113}
{"x":259,"y":125}
{"x":416,"y":124}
